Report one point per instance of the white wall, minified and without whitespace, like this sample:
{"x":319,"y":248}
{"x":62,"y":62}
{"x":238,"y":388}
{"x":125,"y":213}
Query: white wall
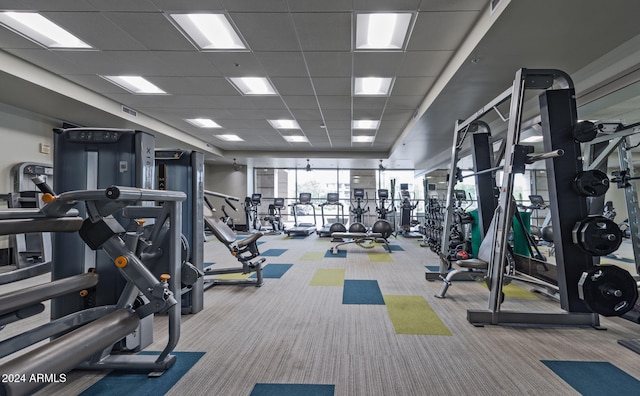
{"x":21,"y":135}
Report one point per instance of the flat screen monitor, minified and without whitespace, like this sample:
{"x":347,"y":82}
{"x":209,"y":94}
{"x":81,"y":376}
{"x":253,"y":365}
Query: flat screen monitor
{"x":404,"y":186}
{"x":383,"y":194}
{"x":278,"y":203}
{"x":256,"y":198}
{"x":536,"y":199}
{"x":358,"y":193}
{"x":332,"y":197}
{"x":305,"y":198}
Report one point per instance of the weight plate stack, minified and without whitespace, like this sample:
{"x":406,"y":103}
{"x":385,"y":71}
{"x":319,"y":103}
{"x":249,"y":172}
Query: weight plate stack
{"x":608,"y":290}
{"x":597,"y":235}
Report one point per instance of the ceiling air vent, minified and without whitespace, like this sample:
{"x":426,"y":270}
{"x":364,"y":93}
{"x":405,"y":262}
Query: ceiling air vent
{"x":129,"y":111}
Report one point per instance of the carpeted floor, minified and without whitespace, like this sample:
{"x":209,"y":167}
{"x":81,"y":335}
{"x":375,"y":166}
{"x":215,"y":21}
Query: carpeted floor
{"x":295,"y":330}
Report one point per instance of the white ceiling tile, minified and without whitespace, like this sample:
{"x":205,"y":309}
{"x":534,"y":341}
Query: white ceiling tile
{"x":282,"y":64}
{"x":329,"y":64}
{"x":292,"y":85}
{"x":440,"y":31}
{"x":187,"y":5}
{"x":332,"y":86}
{"x":262,"y":30}
{"x":255,"y":5}
{"x":383,"y":64}
{"x":324,"y":31}
{"x":152,"y":30}
{"x":235,"y":64}
{"x":385,"y":5}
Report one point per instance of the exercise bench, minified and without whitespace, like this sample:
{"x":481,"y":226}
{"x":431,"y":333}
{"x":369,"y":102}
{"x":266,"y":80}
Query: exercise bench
{"x":244,"y":250}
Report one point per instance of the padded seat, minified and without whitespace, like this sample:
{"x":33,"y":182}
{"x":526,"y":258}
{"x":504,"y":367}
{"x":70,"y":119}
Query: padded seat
{"x":249,"y":240}
{"x":473,"y":263}
{"x":356,"y":235}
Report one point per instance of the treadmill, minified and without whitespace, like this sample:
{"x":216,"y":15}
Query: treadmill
{"x":332,"y":200}
{"x":304,"y":229}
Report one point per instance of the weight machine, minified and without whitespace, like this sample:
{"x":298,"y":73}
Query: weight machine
{"x":183,"y":170}
{"x":151,"y":286}
{"x":585,"y":289}
{"x":32,"y":249}
{"x":244,"y":250}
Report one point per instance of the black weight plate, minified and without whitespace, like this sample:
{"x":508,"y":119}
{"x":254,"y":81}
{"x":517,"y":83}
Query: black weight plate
{"x":597,"y":235}
{"x":584,"y":131}
{"x":608,"y":290}
{"x":591,"y":183}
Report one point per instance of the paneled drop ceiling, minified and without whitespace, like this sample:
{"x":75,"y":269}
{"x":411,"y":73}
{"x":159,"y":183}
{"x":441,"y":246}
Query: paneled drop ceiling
{"x":459,"y":55}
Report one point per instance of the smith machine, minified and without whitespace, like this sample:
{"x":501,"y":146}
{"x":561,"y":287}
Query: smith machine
{"x":584,"y":288}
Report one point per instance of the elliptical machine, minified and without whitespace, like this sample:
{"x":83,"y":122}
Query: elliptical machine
{"x":251,"y":212}
{"x":358,"y":210}
{"x":383,"y":209}
{"x":406,"y":213}
{"x":274,"y":216}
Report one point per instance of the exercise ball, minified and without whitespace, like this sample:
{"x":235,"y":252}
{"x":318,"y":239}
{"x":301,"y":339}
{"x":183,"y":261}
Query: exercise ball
{"x":337,"y":227}
{"x":547,"y":234}
{"x":357,"y":227}
{"x":382,"y":227}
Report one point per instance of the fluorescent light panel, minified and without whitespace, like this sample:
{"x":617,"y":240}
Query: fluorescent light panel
{"x":253,"y":85}
{"x":210,"y":31}
{"x":386,"y":31}
{"x":284,"y":124}
{"x":296,"y":139}
{"x":375,"y":86}
{"x":362,"y":139}
{"x":365,"y":124}
{"x":229,"y":138}
{"x":41,"y":30}
{"x":203,"y":123}
{"x":135,"y":84}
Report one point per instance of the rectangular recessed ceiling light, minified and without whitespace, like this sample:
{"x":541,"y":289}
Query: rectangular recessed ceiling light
{"x":230,"y":138}
{"x":41,"y":30}
{"x":365,"y":124}
{"x":135,"y":84}
{"x":210,"y":31}
{"x":284,"y":124}
{"x":296,"y":139}
{"x":532,"y":139}
{"x":203,"y":123}
{"x":253,"y":85}
{"x":362,"y":139}
{"x":382,"y":30}
{"x":372,"y":86}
